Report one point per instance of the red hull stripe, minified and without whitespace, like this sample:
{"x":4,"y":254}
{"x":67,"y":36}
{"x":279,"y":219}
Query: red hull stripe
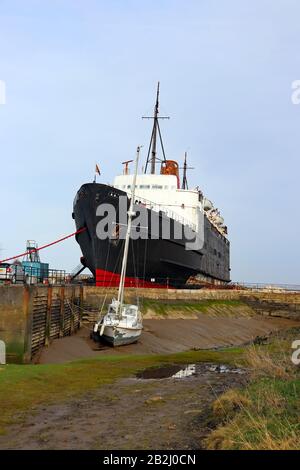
{"x":109,"y":279}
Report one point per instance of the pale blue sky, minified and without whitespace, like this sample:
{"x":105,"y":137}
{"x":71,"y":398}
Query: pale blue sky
{"x":79,"y":75}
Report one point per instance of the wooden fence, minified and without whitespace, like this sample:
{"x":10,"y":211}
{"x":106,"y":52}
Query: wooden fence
{"x":31,"y":317}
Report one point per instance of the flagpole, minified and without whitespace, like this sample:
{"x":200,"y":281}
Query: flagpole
{"x":97,"y":170}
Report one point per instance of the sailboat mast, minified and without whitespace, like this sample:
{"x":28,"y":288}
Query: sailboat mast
{"x":131,"y":213}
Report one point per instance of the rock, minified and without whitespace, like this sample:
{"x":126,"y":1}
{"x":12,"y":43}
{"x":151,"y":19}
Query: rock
{"x":154,"y":399}
{"x":191,"y":412}
{"x":171,"y":427}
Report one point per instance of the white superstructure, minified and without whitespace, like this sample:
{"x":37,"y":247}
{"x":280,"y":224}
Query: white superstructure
{"x":161,"y":193}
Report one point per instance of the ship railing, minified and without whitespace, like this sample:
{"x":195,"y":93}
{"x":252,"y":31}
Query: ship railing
{"x":44,"y":275}
{"x":259,"y":286}
{"x":165,"y":210}
{"x":36,"y":275}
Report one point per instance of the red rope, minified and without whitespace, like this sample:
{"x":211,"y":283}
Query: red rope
{"x":44,"y":246}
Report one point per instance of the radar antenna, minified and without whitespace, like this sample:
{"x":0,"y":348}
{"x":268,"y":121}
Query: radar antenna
{"x":185,"y":168}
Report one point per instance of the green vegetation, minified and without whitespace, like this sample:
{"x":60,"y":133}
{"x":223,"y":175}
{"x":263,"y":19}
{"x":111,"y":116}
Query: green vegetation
{"x":24,"y":387}
{"x":266,"y":414}
{"x":168,"y":307}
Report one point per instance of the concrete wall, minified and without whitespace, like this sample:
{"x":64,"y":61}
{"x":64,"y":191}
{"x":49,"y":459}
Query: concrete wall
{"x":14,"y":310}
{"x":94,"y":294}
{"x":30,"y":317}
{"x":273,"y":303}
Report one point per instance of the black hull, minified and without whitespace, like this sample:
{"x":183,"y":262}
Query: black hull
{"x":152,"y":261}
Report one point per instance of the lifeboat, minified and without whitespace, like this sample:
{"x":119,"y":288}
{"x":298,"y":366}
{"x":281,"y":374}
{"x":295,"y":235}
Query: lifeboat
{"x":207,"y":204}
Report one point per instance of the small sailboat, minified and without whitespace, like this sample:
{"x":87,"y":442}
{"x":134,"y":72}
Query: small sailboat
{"x":122,"y":323}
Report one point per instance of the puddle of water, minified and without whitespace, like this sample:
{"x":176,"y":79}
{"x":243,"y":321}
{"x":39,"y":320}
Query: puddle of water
{"x":176,"y":371}
{"x":189,"y":370}
{"x":159,"y":372}
{"x":222,"y":369}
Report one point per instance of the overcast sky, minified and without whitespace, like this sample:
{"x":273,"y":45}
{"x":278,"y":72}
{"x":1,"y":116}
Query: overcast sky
{"x":80,"y":74}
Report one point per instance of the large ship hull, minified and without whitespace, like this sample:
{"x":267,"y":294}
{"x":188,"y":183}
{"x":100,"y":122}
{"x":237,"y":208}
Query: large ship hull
{"x":151,"y":262}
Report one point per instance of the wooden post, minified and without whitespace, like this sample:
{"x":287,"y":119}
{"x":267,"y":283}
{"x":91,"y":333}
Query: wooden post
{"x":80,"y":307}
{"x":62,"y":312}
{"x":27,"y":312}
{"x":72,"y":306}
{"x":48,"y":316}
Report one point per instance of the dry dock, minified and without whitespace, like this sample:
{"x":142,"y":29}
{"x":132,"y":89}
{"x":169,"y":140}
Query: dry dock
{"x":169,"y":336}
{"x":32,"y":318}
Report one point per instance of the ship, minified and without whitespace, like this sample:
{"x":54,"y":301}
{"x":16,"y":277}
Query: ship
{"x":180,"y":235}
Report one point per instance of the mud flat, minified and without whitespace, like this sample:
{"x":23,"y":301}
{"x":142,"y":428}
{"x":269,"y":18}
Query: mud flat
{"x":169,"y":336}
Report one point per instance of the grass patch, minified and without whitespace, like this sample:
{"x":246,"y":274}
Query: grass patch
{"x":25,"y":387}
{"x":266,"y":414}
{"x":166,"y":308}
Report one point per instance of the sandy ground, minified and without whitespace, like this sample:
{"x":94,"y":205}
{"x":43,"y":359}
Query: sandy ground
{"x":168,"y":336}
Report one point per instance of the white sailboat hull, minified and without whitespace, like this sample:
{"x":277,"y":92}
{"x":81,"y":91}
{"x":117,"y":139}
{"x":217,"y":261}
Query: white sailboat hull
{"x":120,"y":336}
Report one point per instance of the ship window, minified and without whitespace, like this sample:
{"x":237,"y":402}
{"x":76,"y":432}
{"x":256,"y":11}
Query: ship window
{"x":130,"y":311}
{"x":166,"y":187}
{"x":156,"y":186}
{"x":124,"y":186}
{"x":128,"y":186}
{"x":173,"y":187}
{"x":144,"y":186}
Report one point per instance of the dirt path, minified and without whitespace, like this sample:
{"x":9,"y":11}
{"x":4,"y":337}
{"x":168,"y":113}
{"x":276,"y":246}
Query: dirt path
{"x":170,"y":335}
{"x":167,"y":413}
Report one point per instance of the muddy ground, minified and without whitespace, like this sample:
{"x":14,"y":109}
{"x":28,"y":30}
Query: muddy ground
{"x":132,"y":413}
{"x":168,"y":336}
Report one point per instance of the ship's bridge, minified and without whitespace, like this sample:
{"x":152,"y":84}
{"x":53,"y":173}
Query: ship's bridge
{"x":161,"y":193}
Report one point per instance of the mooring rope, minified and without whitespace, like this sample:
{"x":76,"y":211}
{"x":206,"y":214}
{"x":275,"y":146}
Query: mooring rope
{"x":34,"y":250}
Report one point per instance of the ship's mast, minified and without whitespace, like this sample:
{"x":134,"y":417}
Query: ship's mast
{"x":155,"y":125}
{"x":185,"y":168}
{"x":152,"y":159}
{"x":131,"y":213}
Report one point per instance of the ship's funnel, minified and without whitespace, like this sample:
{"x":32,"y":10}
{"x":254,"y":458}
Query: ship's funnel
{"x":170,"y":167}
